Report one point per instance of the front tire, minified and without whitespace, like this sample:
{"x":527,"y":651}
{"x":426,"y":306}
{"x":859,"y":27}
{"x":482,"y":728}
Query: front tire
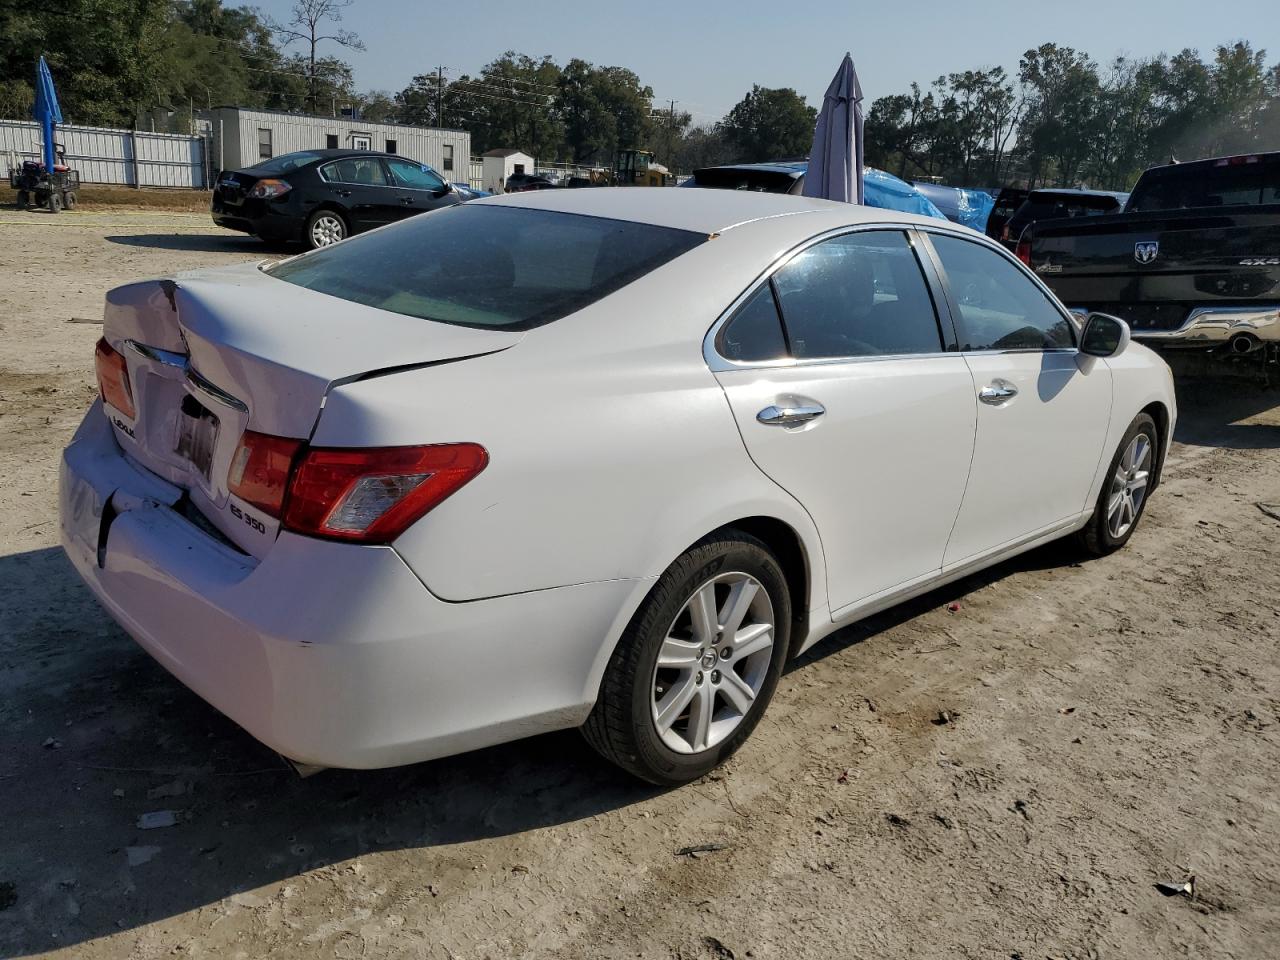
{"x":1124,"y":493}
{"x":699,"y":662}
{"x":324,"y":229}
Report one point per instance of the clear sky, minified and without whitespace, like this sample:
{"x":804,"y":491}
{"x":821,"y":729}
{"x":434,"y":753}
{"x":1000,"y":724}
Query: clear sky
{"x":706,"y":55}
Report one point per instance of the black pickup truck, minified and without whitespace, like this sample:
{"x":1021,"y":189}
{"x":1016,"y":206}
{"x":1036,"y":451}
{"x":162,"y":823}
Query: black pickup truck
{"x":1192,"y":263}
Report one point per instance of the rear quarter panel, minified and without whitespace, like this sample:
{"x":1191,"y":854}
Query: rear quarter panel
{"x":612,"y":447}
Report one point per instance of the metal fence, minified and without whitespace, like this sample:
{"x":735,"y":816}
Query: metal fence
{"x":134,"y":158}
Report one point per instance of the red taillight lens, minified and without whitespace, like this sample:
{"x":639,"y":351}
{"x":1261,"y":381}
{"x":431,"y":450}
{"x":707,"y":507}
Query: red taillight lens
{"x":113,"y":378}
{"x":1023,"y":252}
{"x":269,"y":189}
{"x":260,"y":468}
{"x":374,"y":495}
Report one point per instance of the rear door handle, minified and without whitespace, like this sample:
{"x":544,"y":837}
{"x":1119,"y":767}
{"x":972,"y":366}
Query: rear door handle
{"x":997,"y":392}
{"x":406,"y":200}
{"x":791,"y":414}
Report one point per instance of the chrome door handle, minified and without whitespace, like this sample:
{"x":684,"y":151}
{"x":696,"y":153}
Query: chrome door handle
{"x":997,"y":392}
{"x":791,"y":415}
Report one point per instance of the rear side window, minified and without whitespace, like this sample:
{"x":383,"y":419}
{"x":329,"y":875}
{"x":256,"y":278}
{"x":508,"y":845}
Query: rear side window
{"x":362,"y":170}
{"x":755,"y":332}
{"x":855,"y":296}
{"x":475,"y":265}
{"x":1002,"y":308}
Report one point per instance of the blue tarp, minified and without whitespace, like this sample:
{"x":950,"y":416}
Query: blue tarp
{"x":886,"y":191}
{"x":46,"y":110}
{"x":960,"y":205}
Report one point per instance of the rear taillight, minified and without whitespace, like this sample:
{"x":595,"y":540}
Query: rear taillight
{"x":113,"y":378}
{"x":260,"y":468}
{"x":269,"y":189}
{"x":373,"y":495}
{"x":1023,"y":252}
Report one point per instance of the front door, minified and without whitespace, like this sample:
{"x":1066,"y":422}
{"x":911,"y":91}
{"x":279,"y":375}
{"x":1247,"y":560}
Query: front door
{"x":1043,"y":407}
{"x":866,"y":420}
{"x":418,"y":188}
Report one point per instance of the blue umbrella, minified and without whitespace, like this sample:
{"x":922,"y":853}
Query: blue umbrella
{"x":835,"y":161}
{"x":46,"y":110}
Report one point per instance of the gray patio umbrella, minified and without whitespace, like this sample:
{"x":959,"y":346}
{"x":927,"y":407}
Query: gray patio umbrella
{"x":835,"y":161}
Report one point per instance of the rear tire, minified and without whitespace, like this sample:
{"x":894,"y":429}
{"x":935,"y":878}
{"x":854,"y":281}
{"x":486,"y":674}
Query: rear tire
{"x":699,"y":662}
{"x":55,"y":201}
{"x":70,"y":200}
{"x":324,"y":229}
{"x":1124,"y":493}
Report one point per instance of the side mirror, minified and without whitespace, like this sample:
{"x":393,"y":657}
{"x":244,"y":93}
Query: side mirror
{"x":1104,"y":335}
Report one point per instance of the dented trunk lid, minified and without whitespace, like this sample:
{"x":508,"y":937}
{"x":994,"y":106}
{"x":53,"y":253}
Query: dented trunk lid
{"x":212,"y":353}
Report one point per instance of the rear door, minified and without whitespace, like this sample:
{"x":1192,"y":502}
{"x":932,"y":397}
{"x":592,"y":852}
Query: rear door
{"x":361,"y":187}
{"x":1043,"y":407}
{"x":418,"y":188}
{"x":855,"y":406}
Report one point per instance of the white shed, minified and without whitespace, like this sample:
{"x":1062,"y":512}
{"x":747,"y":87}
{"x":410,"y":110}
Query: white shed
{"x":499,"y":165}
{"x":243,"y":137}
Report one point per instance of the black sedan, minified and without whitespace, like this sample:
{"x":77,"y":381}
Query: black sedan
{"x":319,"y":197}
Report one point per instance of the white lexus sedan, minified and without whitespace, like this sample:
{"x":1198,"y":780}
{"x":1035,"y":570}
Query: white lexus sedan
{"x":594,"y":458}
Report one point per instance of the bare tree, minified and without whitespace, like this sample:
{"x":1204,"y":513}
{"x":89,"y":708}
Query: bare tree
{"x":307,"y":22}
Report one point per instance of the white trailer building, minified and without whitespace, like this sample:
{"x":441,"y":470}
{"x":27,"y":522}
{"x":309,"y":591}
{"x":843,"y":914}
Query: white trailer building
{"x":244,"y":136}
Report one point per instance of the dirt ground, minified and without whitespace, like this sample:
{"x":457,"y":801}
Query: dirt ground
{"x":105,"y":196}
{"x":1108,"y":725}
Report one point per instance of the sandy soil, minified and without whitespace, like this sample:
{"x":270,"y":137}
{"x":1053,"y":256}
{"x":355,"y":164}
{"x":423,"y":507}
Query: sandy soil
{"x":1111,"y":724}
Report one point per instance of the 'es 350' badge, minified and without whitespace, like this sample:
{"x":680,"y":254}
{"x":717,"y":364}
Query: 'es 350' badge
{"x":1146,"y":251}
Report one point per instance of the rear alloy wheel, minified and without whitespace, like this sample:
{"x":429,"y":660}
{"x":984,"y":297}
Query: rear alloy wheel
{"x":698,"y":664}
{"x":1124,"y":493}
{"x":325,"y":228}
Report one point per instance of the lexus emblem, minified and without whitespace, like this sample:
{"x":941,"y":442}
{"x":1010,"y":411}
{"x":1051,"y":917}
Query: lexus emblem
{"x":1146,"y":251}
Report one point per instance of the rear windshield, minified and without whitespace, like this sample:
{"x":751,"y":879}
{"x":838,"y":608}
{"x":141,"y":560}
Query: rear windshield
{"x":1054,"y":208}
{"x":1225,"y":186}
{"x":286,"y":162}
{"x":475,"y":265}
{"x":758,"y":181}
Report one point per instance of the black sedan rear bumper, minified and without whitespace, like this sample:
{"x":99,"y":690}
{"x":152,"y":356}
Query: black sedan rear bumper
{"x":268,"y":220}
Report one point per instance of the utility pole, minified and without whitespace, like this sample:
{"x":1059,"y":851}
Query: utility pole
{"x":440,"y":96}
{"x":671,"y":133}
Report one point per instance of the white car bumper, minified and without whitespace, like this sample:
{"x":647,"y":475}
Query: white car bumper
{"x":332,"y":654}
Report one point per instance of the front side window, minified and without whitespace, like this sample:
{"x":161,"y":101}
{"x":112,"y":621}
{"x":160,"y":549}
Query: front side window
{"x":858,"y":295}
{"x":366,"y":171}
{"x":264,"y":143}
{"x":415,"y":176}
{"x":1001,"y":307}
{"x":490,"y":267}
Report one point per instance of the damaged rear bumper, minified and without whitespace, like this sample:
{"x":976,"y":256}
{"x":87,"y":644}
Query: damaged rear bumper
{"x":332,"y":654}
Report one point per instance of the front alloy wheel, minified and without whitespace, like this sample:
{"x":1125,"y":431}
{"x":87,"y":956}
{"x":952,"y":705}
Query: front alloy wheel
{"x":1124,"y":495}
{"x":697,"y":665}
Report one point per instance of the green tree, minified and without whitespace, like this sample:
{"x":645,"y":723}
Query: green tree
{"x":770,"y":124}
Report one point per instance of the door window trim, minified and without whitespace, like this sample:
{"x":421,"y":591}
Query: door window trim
{"x":943,"y":313}
{"x":957,"y":317}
